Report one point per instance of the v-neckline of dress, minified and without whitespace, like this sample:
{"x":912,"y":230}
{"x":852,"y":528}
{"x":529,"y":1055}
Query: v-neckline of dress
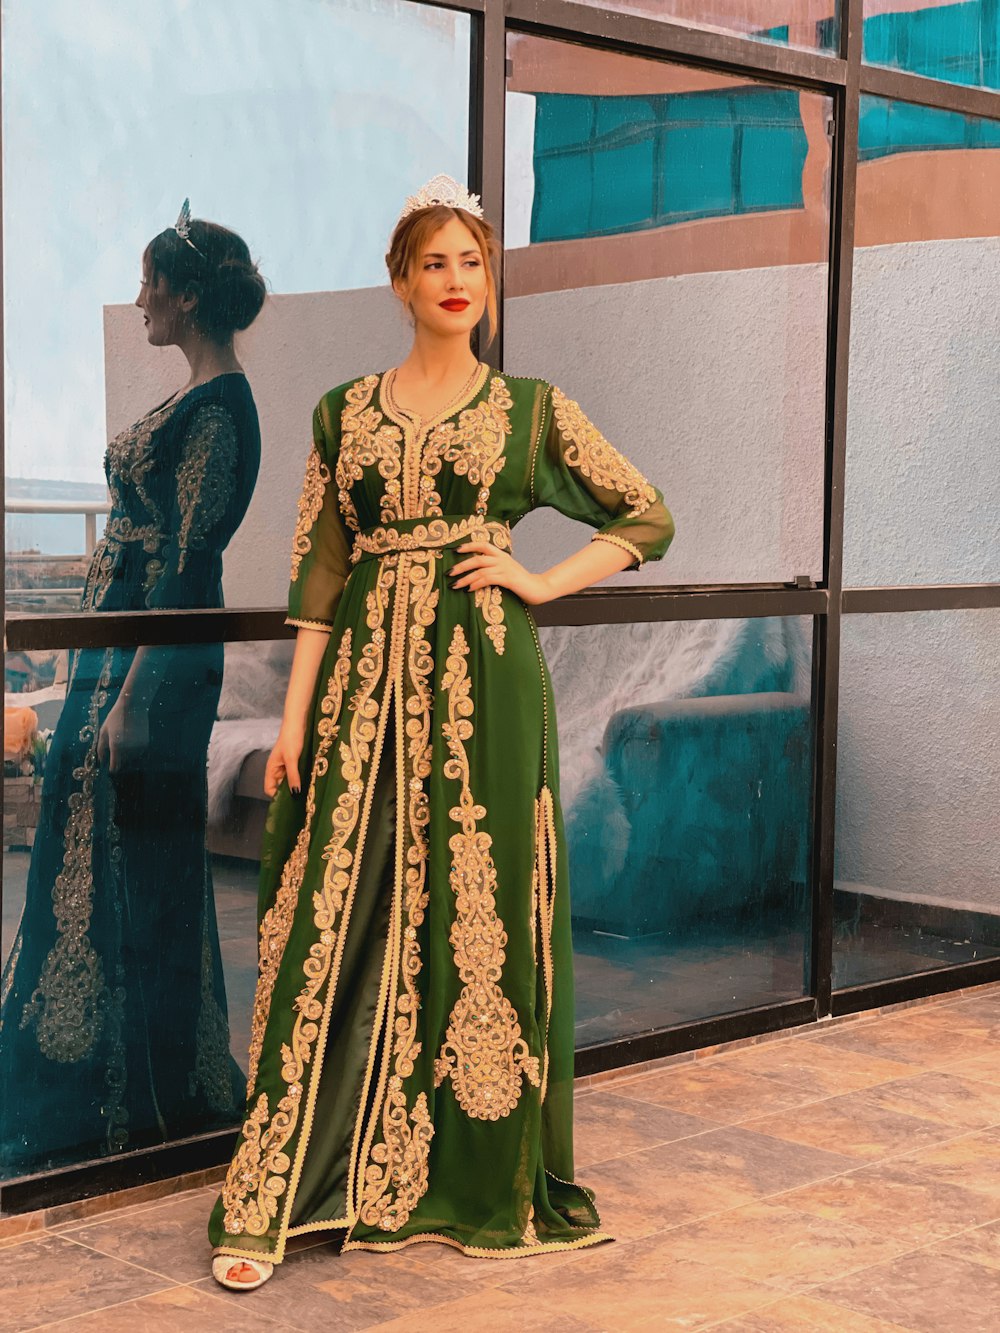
{"x":409,"y":421}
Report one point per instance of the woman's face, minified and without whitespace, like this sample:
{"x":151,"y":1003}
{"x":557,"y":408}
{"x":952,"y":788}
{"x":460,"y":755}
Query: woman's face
{"x":446,"y":292}
{"x":166,"y":313}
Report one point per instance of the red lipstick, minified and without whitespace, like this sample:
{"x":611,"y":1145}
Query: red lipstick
{"x":455,"y":305}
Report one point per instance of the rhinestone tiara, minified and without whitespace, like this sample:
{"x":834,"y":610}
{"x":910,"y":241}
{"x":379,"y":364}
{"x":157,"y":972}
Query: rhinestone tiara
{"x":442,"y":190}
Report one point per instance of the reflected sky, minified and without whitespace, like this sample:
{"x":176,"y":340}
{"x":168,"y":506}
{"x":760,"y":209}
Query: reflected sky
{"x":302,"y":126}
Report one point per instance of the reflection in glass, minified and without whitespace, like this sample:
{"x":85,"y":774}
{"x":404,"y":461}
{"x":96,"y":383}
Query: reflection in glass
{"x":112,"y":114}
{"x":942,"y":39}
{"x":113,"y":1020}
{"x":247,"y":718}
{"x":813,"y":27}
{"x":685,"y":784}
{"x":923,"y":489}
{"x":682,"y":217}
{"x":918,"y":771}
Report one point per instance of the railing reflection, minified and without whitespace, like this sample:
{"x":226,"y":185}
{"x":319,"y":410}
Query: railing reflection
{"x":36,"y":579}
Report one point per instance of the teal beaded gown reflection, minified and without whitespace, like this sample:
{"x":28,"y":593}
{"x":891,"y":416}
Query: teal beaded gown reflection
{"x":113,"y":1026}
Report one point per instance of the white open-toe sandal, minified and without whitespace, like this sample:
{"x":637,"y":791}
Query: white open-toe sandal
{"x":222,"y":1263}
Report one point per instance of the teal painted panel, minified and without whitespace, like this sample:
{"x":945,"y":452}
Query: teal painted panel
{"x":606,"y":165}
{"x":956,"y":43}
{"x":888,"y":127}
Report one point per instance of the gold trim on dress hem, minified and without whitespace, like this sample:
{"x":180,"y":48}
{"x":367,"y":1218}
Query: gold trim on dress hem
{"x":480,"y":1252}
{"x":470,"y":1251}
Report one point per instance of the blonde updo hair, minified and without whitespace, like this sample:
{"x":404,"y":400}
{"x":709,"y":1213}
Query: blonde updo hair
{"x":410,"y":238}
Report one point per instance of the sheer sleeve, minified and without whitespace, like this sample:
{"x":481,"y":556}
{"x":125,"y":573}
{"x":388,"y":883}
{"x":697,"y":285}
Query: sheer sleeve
{"x":576,"y":471}
{"x":200,"y":521}
{"x":321,"y":547}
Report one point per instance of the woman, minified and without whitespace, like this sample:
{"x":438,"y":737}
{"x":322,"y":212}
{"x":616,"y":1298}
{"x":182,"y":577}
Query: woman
{"x":411,"y":1067}
{"x":113,"y":1026}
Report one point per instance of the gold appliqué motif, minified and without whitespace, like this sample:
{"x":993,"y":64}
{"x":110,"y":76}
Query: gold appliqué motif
{"x":314,"y":486}
{"x":484,"y":1053}
{"x":262,"y":1172}
{"x":474,"y":446}
{"x":587,"y":449}
{"x":204,"y":476}
{"x":366,"y":439}
{"x":436,"y":534}
{"x":67,"y":1004}
{"x":277,"y":923}
{"x":397,"y":1178}
{"x":489,"y":600}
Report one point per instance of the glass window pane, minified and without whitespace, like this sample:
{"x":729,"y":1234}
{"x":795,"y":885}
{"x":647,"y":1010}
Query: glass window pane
{"x":959,"y":43}
{"x":810,"y":27}
{"x":922,"y":493}
{"x":305,"y":144}
{"x":685,"y":770}
{"x":918,"y":777}
{"x":685,"y":789}
{"x":130,"y":894}
{"x":680,"y":219}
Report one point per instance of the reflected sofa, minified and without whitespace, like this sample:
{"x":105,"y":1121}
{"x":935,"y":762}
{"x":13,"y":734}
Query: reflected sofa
{"x":700,"y":814}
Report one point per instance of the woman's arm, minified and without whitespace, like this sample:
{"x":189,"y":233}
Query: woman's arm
{"x":310,"y":645}
{"x":486,"y":564}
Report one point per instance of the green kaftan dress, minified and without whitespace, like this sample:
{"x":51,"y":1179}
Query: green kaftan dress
{"x":411,"y":1061}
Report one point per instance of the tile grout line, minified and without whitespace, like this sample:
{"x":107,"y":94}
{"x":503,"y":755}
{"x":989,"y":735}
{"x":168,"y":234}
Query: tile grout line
{"x":803,"y":1032}
{"x":95,"y":1249}
{"x":99,"y":1309}
{"x":777,"y":1195}
{"x":784,"y":1293}
{"x":214,"y":1295}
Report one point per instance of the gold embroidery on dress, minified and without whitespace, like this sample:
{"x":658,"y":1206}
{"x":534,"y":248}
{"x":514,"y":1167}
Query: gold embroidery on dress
{"x":437,"y":533}
{"x":484,"y":1052}
{"x":67,"y":1004}
{"x":366,"y":440}
{"x":474,"y":446}
{"x":314,"y":486}
{"x":266,"y":1174}
{"x":489,"y":600}
{"x":587,"y":449}
{"x":205,"y":476}
{"x":244,"y":1176}
{"x":397,"y":1178}
{"x":128,"y":459}
{"x":276,"y":926}
{"x":544,"y":900}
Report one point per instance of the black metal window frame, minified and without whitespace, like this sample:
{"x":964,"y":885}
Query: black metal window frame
{"x":844,"y":78}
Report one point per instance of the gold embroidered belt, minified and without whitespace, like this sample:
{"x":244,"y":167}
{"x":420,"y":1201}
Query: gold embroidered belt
{"x":429,"y":534}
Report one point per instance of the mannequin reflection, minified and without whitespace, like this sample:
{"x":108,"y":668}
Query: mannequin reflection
{"x":113,"y":1028}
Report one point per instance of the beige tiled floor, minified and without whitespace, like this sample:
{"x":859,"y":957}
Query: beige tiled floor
{"x":844,"y":1179}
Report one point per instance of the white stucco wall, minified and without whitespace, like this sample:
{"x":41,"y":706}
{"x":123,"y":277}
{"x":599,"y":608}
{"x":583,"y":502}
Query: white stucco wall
{"x":918,"y":786}
{"x":923,"y":481}
{"x":713,"y":384}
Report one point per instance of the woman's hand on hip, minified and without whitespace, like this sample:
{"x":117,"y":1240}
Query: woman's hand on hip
{"x":486,"y":565}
